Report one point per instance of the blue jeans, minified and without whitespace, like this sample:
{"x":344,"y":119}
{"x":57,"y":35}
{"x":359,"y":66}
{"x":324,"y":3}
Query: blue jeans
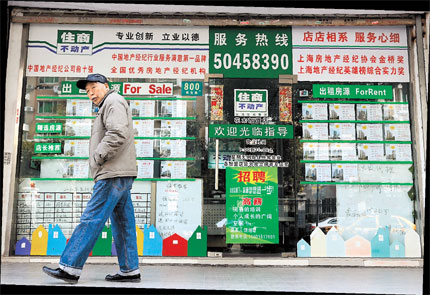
{"x":110,"y":198}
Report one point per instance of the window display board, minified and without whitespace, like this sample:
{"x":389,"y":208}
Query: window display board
{"x":179,"y":207}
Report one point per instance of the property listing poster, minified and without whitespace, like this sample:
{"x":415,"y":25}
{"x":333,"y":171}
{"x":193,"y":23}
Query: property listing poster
{"x":315,"y":151}
{"x":252,"y":205}
{"x":398,"y":152}
{"x":343,"y":131}
{"x":173,"y":148}
{"x":317,"y":172}
{"x":369,"y":112}
{"x":173,"y":128}
{"x":344,"y":172}
{"x":142,"y":108}
{"x":396,"y":112}
{"x":145,"y":168}
{"x":398,"y":132}
{"x":370,"y":151}
{"x":173,"y":169}
{"x":76,"y":148}
{"x":143,"y":127}
{"x":342,"y":151}
{"x":315,"y":131}
{"x":285,"y":104}
{"x":78,"y":107}
{"x":59,"y":168}
{"x":314,"y":111}
{"x":78,"y":127}
{"x":369,"y":132}
{"x":341,"y":111}
{"x":144,"y":147}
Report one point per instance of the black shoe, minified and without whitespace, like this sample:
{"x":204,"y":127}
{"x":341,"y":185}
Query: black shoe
{"x":120,"y":278}
{"x":61,"y":275}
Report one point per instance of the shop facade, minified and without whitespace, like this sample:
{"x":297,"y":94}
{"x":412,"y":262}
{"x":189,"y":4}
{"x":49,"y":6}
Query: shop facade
{"x":284,"y":134}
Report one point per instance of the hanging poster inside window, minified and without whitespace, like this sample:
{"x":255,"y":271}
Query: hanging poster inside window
{"x":252,"y":205}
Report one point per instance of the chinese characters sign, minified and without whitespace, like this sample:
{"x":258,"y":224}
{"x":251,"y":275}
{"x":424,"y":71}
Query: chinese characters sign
{"x":49,"y":127}
{"x":118,"y":51}
{"x":250,"y":52}
{"x":374,"y":54}
{"x":250,"y":103}
{"x":250,"y":131}
{"x":47,"y":148}
{"x":352,"y":91}
{"x":252,"y":205}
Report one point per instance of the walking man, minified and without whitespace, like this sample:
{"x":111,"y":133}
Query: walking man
{"x":112,"y":161}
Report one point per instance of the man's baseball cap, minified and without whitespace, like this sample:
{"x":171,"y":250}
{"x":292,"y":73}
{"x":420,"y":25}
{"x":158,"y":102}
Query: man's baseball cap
{"x":91,"y":78}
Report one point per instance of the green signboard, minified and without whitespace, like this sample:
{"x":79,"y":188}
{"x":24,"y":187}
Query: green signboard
{"x":252,"y":205}
{"x":192,"y":88}
{"x":250,"y":131}
{"x":70,"y":88}
{"x":49,"y":127}
{"x":47,"y":148}
{"x":352,"y":91}
{"x":250,"y":52}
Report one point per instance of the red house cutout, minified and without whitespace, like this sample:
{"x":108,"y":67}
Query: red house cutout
{"x":175,"y":245}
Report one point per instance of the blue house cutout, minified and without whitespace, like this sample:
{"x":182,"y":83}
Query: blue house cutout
{"x":303,"y":249}
{"x":335,"y":244}
{"x":380,"y":243}
{"x":56,"y":240}
{"x":397,"y":249}
{"x":152,"y":241}
{"x":23,"y":247}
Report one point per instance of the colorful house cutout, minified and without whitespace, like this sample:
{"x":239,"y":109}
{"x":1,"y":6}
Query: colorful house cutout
{"x":303,"y":249}
{"x":357,"y":246}
{"x":23,"y":247}
{"x":198,"y":243}
{"x":103,"y":246}
{"x":175,"y":245}
{"x":397,"y":249}
{"x":335,"y":244}
{"x":381,"y":243}
{"x":152,"y":241}
{"x":318,"y":243}
{"x":412,"y":244}
{"x":56,"y":240}
{"x":139,"y":240}
{"x":39,"y":241}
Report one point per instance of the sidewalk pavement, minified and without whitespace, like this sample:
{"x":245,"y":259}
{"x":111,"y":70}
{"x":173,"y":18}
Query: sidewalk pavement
{"x":225,"y":277}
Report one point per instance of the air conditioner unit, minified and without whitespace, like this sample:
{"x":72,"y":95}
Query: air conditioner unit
{"x":28,"y":109}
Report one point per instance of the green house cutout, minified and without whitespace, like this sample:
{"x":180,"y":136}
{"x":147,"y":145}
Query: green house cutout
{"x":198,"y":243}
{"x":103,"y":246}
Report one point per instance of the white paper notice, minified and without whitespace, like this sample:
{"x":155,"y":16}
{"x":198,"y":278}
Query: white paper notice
{"x":314,"y":111}
{"x":370,"y":151}
{"x":342,"y":111}
{"x":369,"y":132}
{"x":173,"y":169}
{"x":172,"y":148}
{"x":399,"y":132}
{"x":142,"y":108}
{"x":343,"y":131}
{"x":144,"y":148}
{"x":318,"y":172}
{"x":145,"y":168}
{"x":343,"y":151}
{"x":173,"y":128}
{"x":398,"y":152}
{"x":369,"y":112}
{"x":315,"y":130}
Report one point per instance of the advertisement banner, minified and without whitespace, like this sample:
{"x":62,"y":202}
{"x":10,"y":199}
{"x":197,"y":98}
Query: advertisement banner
{"x":250,"y":52}
{"x":250,"y":103}
{"x":57,"y":50}
{"x":252,"y":205}
{"x":250,"y":131}
{"x":359,"y":54}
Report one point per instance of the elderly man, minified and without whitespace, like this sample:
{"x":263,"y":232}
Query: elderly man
{"x":112,"y":161}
